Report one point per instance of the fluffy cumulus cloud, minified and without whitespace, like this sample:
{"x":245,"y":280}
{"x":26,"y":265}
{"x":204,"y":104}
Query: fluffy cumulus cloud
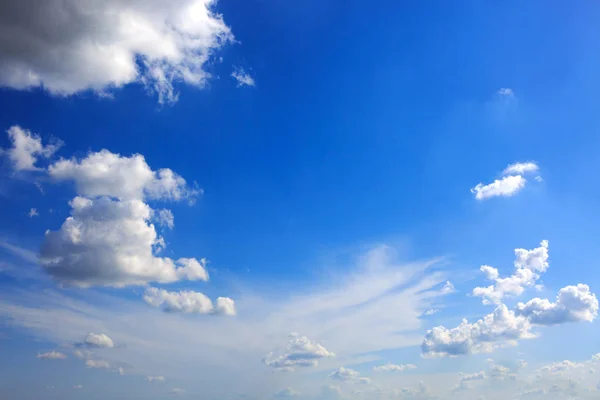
{"x":495,"y":329}
{"x":165,"y":218}
{"x":51,"y":355}
{"x":109,"y":239}
{"x":300,"y":352}
{"x":70,"y":46}
{"x":573,"y":304}
{"x":528,"y":265}
{"x":26,"y":148}
{"x":504,"y":187}
{"x":389,"y":367}
{"x":511,"y":183}
{"x":98,"y":340}
{"x":188,"y":302}
{"x":478,"y":376}
{"x":344,"y":374}
{"x":559,"y":367}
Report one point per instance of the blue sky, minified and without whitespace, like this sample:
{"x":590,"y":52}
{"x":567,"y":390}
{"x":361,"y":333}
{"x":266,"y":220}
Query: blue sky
{"x":276,"y":200}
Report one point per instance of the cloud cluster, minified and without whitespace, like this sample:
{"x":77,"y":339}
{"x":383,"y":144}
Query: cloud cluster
{"x":493,"y":330}
{"x":188,"y":302}
{"x":300,"y":352}
{"x":528,"y":265}
{"x":26,"y":148}
{"x":510,"y":184}
{"x":573,"y":304}
{"x":70,"y":46}
{"x":109,"y":239}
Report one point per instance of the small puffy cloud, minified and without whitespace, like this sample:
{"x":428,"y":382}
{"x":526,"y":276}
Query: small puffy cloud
{"x":26,"y":148}
{"x":389,"y":367}
{"x":177,"y":391}
{"x":73,"y":46}
{"x":165,"y":218}
{"x":99,"y":364}
{"x":573,"y":304}
{"x":430,"y":312}
{"x":344,"y":374}
{"x":596,"y":357}
{"x":528,"y":265}
{"x":448,"y":288}
{"x":478,"y":376}
{"x":78,"y":387}
{"x":500,"y":372}
{"x":242,"y":78}
{"x":299,"y":352}
{"x":188,"y":302}
{"x":364,"y":380}
{"x":286,"y":393}
{"x":504,"y":187}
{"x":495,"y":329}
{"x":33,"y":213}
{"x":155,"y":378}
{"x":507,"y":92}
{"x":520,"y":168}
{"x":98,"y":340}
{"x":51,"y":355}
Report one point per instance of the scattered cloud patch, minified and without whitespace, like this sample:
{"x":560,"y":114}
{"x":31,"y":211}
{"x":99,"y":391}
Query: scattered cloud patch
{"x":286,"y":393}
{"x":98,"y":340}
{"x":344,"y":374}
{"x":27,"y":148}
{"x":99,"y":364}
{"x":165,"y":218}
{"x":430,"y":312}
{"x":520,"y":168}
{"x":448,"y":288}
{"x":155,"y":378}
{"x":389,"y":367}
{"x":559,"y":367}
{"x":300,"y":352}
{"x":78,"y":387}
{"x":70,"y":46}
{"x":32,"y":213}
{"x":573,"y":304}
{"x":188,"y":302}
{"x":177,"y":391}
{"x":495,"y":329}
{"x":242,"y":78}
{"x":478,"y":376}
{"x":528,"y":265}
{"x":51,"y":355}
{"x":507,"y":92}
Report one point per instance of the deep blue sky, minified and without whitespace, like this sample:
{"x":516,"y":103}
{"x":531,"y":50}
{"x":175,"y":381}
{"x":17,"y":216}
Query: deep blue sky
{"x":368,"y":124}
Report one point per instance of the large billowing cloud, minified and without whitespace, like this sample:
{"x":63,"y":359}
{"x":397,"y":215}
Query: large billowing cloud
{"x":67,"y":46}
{"x":494,"y":329}
{"x":109,"y":239}
{"x":528,"y":264}
{"x":573,"y":304}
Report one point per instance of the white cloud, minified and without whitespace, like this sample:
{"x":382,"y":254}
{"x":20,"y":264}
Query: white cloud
{"x":500,"y":327}
{"x":78,"y":387}
{"x":508,"y":92}
{"x":99,"y":364}
{"x":448,"y":288}
{"x":51,"y":355}
{"x":528,"y":264}
{"x":82,"y":354}
{"x":98,"y":340}
{"x":596,"y":357}
{"x":478,"y":376}
{"x":505,"y":187}
{"x":33,"y":213}
{"x":389,"y":367}
{"x":71,"y":46}
{"x":242,"y":78}
{"x":188,"y":302}
{"x":177,"y":391}
{"x":332,"y":392}
{"x":573,"y":304}
{"x":104,"y":173}
{"x":27,"y":147}
{"x":559,"y":367}
{"x":344,"y":374}
{"x":431,"y":311}
{"x":286,"y":393}
{"x":110,"y":243}
{"x":165,"y":217}
{"x":300,"y":352}
{"x":520,"y":168}
{"x":155,"y":378}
